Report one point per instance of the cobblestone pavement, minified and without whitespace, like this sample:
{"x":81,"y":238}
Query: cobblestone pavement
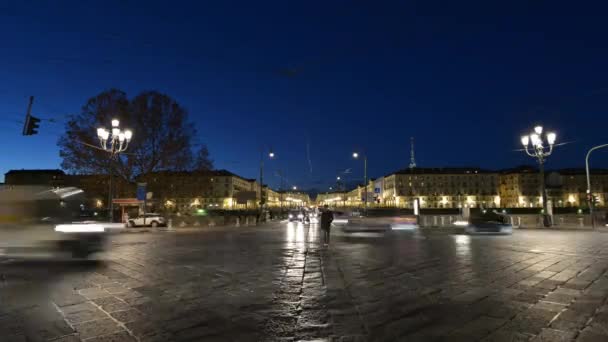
{"x":277,"y":283}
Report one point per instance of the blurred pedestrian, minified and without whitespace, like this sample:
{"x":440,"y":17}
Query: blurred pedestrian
{"x":327,"y":216}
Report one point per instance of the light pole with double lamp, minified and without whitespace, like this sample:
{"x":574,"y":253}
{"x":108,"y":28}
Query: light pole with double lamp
{"x":536,"y":147}
{"x":589,"y":193}
{"x":114,"y":142}
{"x":356,"y":156}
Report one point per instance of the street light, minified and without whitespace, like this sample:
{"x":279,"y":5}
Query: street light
{"x":356,"y":156}
{"x":113,"y":142}
{"x":295,"y":187}
{"x":540,"y":151}
{"x":589,"y":194}
{"x":262,"y":200}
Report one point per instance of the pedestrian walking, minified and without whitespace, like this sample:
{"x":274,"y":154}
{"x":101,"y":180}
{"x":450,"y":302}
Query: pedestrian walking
{"x":327,"y":216}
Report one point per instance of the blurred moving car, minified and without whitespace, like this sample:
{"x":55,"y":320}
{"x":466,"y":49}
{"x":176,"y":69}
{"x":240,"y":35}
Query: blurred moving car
{"x":100,"y":217}
{"x":380,"y":224}
{"x":295,"y":215}
{"x":148,"y":219}
{"x":404,"y":223}
{"x":42,"y":221}
{"x":488,"y":222}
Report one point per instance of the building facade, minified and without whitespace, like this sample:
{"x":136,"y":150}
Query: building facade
{"x":50,"y":177}
{"x":520,"y":187}
{"x":183,"y":191}
{"x":334,"y":199}
{"x":295,"y":199}
{"x":441,"y":188}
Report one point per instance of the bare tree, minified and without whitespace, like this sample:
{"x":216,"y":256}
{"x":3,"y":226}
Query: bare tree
{"x":162,"y":135}
{"x":202,"y":162}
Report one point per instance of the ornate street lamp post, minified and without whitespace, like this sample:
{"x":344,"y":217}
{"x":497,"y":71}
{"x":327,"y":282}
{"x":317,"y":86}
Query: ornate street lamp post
{"x":539,"y":145}
{"x":114,"y":142}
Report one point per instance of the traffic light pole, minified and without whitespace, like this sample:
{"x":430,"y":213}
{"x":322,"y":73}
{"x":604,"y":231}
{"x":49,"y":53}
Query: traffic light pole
{"x":28,"y":115}
{"x":31,"y":124}
{"x":589,"y":193}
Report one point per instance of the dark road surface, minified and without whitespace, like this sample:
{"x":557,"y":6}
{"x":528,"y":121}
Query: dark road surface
{"x":277,"y":283}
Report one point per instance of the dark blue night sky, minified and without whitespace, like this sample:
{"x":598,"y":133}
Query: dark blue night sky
{"x":466,"y":79}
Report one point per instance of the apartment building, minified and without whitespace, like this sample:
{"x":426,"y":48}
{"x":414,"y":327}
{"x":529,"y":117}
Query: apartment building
{"x":441,"y":188}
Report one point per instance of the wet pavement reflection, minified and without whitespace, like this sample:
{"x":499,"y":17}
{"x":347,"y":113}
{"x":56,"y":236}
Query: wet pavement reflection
{"x":278,"y":282}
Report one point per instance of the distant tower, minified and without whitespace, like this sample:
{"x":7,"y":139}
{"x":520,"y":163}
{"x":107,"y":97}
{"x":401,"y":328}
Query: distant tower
{"x":412,"y":160}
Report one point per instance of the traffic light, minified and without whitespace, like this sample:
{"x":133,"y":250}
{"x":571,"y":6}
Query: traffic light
{"x":31,"y":126}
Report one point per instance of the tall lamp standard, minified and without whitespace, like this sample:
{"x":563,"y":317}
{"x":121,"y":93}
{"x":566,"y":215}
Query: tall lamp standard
{"x":589,"y":194}
{"x":262,"y":199}
{"x":356,"y":156}
{"x":114,"y":142}
{"x":540,"y":151}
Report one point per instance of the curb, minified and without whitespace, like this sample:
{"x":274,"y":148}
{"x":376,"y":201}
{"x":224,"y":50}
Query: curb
{"x":184,"y":229}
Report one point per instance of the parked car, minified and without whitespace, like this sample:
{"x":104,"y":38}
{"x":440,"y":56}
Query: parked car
{"x":148,"y":219}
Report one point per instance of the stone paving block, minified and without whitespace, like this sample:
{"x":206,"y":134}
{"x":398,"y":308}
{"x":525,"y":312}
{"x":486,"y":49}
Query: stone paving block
{"x":47,"y":330}
{"x":116,"y":289}
{"x":127,"y":315}
{"x":552,"y":335}
{"x":532,"y":281}
{"x":94,"y":293}
{"x":68,"y":338}
{"x":591,"y":335}
{"x":507,"y":335}
{"x":585,"y":306}
{"x":111,"y":304}
{"x":507,"y":310}
{"x":570,"y":320}
{"x":128,"y":295}
{"x":472,"y":295}
{"x":82,"y":312}
{"x":531,"y":295}
{"x":477,"y":328}
{"x":145,"y":330}
{"x":549,"y":284}
{"x":562,"y":295}
{"x":137,"y":301}
{"x":549,"y":306}
{"x":577,"y":284}
{"x":390,"y":330}
{"x":119,"y":337}
{"x":67,"y":298}
{"x":531,"y":321}
{"x":564,"y":276}
{"x":97,"y":328}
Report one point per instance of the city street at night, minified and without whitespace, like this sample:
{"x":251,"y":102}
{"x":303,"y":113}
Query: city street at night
{"x":279,"y":283}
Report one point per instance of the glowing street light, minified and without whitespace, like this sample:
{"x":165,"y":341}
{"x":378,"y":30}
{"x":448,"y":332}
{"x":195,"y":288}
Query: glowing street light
{"x":356,"y":156}
{"x":295,"y":187}
{"x":271,"y":155}
{"x":536,"y":148}
{"x":114,"y":142}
